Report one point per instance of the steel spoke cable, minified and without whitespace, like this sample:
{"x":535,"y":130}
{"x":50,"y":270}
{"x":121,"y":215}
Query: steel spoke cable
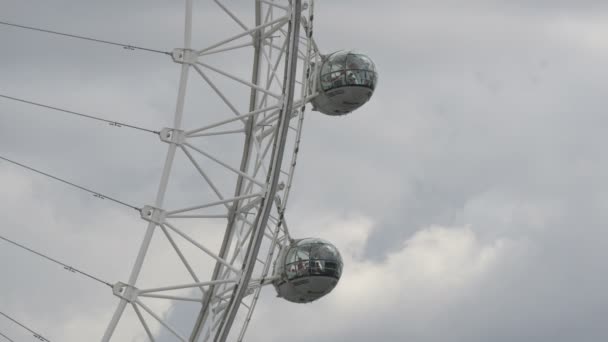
{"x":125,"y":46}
{"x":92,"y":117}
{"x":36,"y":335}
{"x":95,"y":193}
{"x":6,"y":337}
{"x":65,"y":266}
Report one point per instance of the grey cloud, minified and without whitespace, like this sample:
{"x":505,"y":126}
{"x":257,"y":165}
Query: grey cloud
{"x":488,"y":113}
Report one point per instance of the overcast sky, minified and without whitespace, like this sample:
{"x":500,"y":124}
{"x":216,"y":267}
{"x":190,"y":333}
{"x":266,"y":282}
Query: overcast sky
{"x":468,"y":197}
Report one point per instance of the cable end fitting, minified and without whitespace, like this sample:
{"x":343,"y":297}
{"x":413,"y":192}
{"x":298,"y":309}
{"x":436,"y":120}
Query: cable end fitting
{"x":152,"y":214}
{"x":172,"y":136}
{"x":184,"y":56}
{"x":125,"y":291}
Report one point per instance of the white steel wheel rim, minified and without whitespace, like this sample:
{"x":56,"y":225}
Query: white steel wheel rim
{"x":279,"y":91}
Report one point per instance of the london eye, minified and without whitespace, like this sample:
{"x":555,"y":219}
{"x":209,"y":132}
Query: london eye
{"x":240,"y":159}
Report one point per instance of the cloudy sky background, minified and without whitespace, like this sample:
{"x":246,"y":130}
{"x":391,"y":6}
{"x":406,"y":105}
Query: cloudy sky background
{"x":468,"y":197}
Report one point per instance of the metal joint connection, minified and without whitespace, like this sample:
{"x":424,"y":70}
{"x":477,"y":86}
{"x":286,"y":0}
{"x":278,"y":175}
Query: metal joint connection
{"x":152,"y":214}
{"x":184,"y":56}
{"x":281,"y":101}
{"x":172,"y":136}
{"x":125,"y":291}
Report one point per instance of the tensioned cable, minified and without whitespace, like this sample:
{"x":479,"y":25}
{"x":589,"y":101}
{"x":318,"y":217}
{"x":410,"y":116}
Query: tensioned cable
{"x":36,"y":335}
{"x":6,"y":337}
{"x":95,"y":193}
{"x":125,"y":46}
{"x":112,"y":123}
{"x":65,"y":266}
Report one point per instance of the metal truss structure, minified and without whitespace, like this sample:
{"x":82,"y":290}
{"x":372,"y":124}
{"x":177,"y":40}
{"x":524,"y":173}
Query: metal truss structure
{"x":268,"y":132}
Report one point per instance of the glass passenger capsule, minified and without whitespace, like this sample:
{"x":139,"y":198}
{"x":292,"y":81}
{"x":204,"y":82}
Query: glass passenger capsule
{"x":345,"y":81}
{"x":307,"y":270}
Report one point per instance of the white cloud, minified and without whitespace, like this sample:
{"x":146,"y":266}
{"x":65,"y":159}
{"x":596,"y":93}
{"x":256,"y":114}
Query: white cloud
{"x":433,"y":268}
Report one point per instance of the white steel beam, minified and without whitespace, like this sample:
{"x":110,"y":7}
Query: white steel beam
{"x":229,"y":48}
{"x":211,"y":204}
{"x":238,"y":172}
{"x":203,"y":248}
{"x":217,"y":91}
{"x":227,"y":121}
{"x":184,"y":299}
{"x":204,"y":175}
{"x":181,"y":256}
{"x":164,"y":178}
{"x":143,"y":322}
{"x":186,"y":286}
{"x":237,"y":79}
{"x":234,"y":131}
{"x":277,"y":157}
{"x":161,"y":321}
{"x":231,"y":15}
{"x":284,"y":19}
{"x":274,"y":4}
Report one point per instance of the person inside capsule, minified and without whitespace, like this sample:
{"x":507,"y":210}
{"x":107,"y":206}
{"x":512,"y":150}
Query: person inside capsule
{"x":313,"y":257}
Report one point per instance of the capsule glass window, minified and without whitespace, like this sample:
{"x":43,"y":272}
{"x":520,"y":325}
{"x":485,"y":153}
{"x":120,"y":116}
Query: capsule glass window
{"x":337,"y":61}
{"x":347,"y":69}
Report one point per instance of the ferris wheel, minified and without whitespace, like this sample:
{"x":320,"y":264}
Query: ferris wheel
{"x":244,"y":153}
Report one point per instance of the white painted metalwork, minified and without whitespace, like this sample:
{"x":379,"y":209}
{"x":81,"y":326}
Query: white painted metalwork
{"x":253,"y":213}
